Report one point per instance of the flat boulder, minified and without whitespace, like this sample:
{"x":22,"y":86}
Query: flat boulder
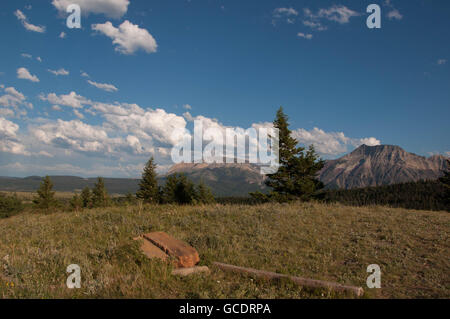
{"x":185,"y":255}
{"x":152,"y":251}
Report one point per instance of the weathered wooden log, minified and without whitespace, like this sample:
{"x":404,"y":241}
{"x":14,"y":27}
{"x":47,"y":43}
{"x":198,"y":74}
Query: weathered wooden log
{"x":333,"y":286}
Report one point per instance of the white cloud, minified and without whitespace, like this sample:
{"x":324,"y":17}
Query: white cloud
{"x":394,"y":14}
{"x":103,"y":86}
{"x":16,"y":94}
{"x":317,"y":26}
{"x":111,"y":8}
{"x":84,"y":74}
{"x":72,"y":99}
{"x":14,"y":99}
{"x":23,"y":73}
{"x":128,"y":38}
{"x":4,"y":112}
{"x":9,"y":143}
{"x":285,"y":11}
{"x":337,"y":13}
{"x":26,"y":55}
{"x":87,"y":139}
{"x":330,"y":143}
{"x":187,"y":107}
{"x":30,"y":27}
{"x":62,"y":35}
{"x":59,"y":72}
{"x":288,"y":13}
{"x":39,"y":59}
{"x":56,"y":108}
{"x":78,"y":114}
{"x":306,"y":36}
{"x":441,"y":61}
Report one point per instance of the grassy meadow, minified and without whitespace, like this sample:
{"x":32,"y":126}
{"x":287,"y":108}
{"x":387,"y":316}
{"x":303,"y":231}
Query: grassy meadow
{"x":319,"y":241}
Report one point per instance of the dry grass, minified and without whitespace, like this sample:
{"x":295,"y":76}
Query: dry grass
{"x":329,"y":242}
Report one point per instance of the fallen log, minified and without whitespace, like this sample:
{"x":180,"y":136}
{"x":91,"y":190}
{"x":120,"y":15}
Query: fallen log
{"x":312,"y":283}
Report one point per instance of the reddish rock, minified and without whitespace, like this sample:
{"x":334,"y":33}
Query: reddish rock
{"x":185,"y":255}
{"x":152,"y":251}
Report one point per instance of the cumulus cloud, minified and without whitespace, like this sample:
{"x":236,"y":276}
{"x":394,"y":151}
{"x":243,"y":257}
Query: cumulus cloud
{"x":23,"y":73}
{"x":72,"y":99}
{"x":187,"y":107}
{"x":59,"y":72}
{"x":330,"y":143}
{"x":13,"y":99}
{"x":305,"y":35}
{"x":87,"y":139}
{"x":110,"y":8}
{"x":9,"y":143}
{"x":127,"y":38}
{"x":62,"y":35}
{"x":103,"y":86}
{"x":26,"y":55}
{"x":78,"y":114}
{"x":24,"y":20}
{"x":441,"y":61}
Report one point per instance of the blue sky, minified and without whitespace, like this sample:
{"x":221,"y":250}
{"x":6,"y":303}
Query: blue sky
{"x":73,"y":102}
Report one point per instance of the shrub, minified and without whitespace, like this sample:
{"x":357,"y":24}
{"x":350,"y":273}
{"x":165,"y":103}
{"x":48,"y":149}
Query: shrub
{"x":10,"y":206}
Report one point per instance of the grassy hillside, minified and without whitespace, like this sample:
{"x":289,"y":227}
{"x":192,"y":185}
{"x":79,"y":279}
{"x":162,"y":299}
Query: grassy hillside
{"x":329,"y":242}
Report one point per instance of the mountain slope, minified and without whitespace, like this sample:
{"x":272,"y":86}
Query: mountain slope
{"x":380,"y":165}
{"x":224,"y":179}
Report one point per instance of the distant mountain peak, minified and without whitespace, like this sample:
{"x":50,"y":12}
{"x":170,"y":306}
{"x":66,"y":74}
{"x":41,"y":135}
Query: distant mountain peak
{"x":380,"y":165}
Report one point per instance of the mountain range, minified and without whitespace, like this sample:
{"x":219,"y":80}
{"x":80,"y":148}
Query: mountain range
{"x":365,"y":166}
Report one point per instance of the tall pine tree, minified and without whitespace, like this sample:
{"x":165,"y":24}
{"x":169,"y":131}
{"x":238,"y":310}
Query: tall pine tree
{"x":86,"y":197}
{"x":296,"y":176}
{"x":148,"y":187}
{"x":446,"y":181}
{"x":100,"y":196}
{"x":46,"y":197}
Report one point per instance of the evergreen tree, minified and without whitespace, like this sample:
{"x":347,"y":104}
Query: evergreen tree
{"x":76,"y":203}
{"x":446,"y":178}
{"x":86,"y":198}
{"x":179,"y":189}
{"x":446,"y":181}
{"x":46,"y":197}
{"x":148,"y":187}
{"x":203,"y":194}
{"x":99,"y":194}
{"x":168,"y":191}
{"x":296,"y":176}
